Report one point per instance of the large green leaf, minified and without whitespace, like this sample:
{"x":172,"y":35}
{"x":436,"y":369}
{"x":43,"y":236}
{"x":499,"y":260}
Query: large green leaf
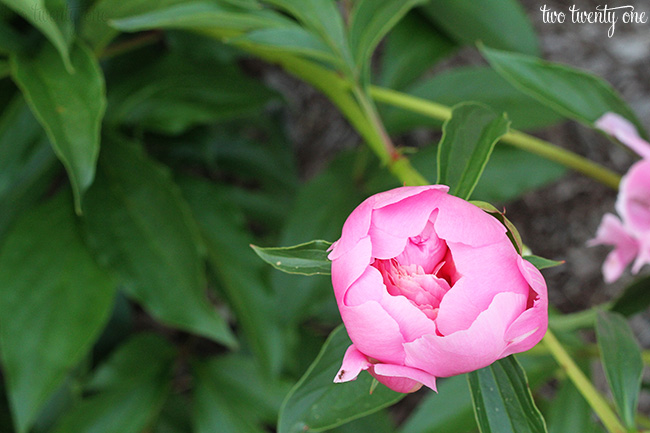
{"x":370,"y":20}
{"x":473,"y":83}
{"x":233,"y":395}
{"x":500,"y":24}
{"x":70,"y":106}
{"x":26,"y":162}
{"x":411,"y":48}
{"x":635,"y":298}
{"x":140,"y":226}
{"x":502,"y":399}
{"x":54,"y":301}
{"x":173,"y":93}
{"x":237,"y":268}
{"x":571,"y":92}
{"x":133,"y":384}
{"x":467,"y":142}
{"x":621,"y":357}
{"x":52,"y":18}
{"x":309,"y":258}
{"x":316,"y":403}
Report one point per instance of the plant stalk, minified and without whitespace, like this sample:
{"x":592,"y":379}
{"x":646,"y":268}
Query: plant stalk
{"x":514,"y":138}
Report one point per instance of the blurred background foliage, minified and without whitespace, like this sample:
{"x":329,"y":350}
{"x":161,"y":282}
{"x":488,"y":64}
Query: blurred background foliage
{"x":140,"y":156}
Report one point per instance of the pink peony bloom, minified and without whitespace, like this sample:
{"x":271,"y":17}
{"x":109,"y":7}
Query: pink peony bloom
{"x":429,"y":285}
{"x":630,"y":236}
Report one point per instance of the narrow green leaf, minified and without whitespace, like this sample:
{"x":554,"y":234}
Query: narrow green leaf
{"x":542,"y":263}
{"x":70,"y":106}
{"x":316,"y":403}
{"x":621,"y":357}
{"x":140,"y":226}
{"x":69,"y":298}
{"x":236,"y":268}
{"x":500,"y":24}
{"x":309,"y":258}
{"x":53,"y":19}
{"x":635,"y":298}
{"x":411,"y":48}
{"x":473,"y":83}
{"x":502,"y":399}
{"x":291,"y":39}
{"x":571,"y":92}
{"x":209,"y":17}
{"x":323,"y":18}
{"x":467,"y":142}
{"x":370,"y":20}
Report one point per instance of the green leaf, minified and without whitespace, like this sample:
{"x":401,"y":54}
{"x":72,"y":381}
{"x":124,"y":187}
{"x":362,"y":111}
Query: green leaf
{"x":502,"y":399}
{"x":511,"y":172}
{"x":144,"y":357}
{"x":500,"y":24}
{"x":569,"y":411}
{"x":173,"y":93}
{"x":467,"y":142}
{"x":207,"y":17}
{"x":140,"y":226}
{"x":52,"y":18}
{"x":233,"y":395}
{"x":635,"y":298}
{"x":26,"y":162}
{"x":370,"y":20}
{"x":70,"y":106}
{"x":542,"y":263}
{"x":291,"y":39}
{"x":411,"y":48}
{"x":449,"y":410}
{"x":473,"y":83}
{"x":309,"y":258}
{"x":571,"y":92}
{"x":236,"y":268}
{"x":324,"y":19}
{"x":70,"y":299}
{"x":621,"y":357}
{"x":316,"y":403}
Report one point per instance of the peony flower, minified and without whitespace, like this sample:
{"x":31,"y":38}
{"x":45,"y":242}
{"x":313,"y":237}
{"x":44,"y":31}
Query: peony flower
{"x":630,"y":235}
{"x":429,"y":285}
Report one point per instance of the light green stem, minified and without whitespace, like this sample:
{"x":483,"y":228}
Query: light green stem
{"x":514,"y":138}
{"x":593,"y":397}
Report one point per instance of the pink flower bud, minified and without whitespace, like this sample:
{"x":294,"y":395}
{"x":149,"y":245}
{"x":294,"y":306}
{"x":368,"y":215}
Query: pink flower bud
{"x":429,"y":285}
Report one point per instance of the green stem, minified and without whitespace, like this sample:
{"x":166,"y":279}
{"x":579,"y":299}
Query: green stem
{"x":580,"y":320}
{"x":514,"y":138}
{"x":593,"y":397}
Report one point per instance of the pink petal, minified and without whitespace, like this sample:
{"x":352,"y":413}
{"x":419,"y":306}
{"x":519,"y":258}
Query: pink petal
{"x":625,"y":132}
{"x":395,"y":195}
{"x":612,"y":232}
{"x":350,"y":266}
{"x":374,"y":332}
{"x":354,"y":362}
{"x":633,"y":201}
{"x":393,"y":224}
{"x":471,"y":349}
{"x":461,"y":221}
{"x":529,"y":328}
{"x":401,"y":378}
{"x":354,"y":229}
{"x":486,"y":271}
{"x":368,"y":287}
{"x":413,"y":323}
